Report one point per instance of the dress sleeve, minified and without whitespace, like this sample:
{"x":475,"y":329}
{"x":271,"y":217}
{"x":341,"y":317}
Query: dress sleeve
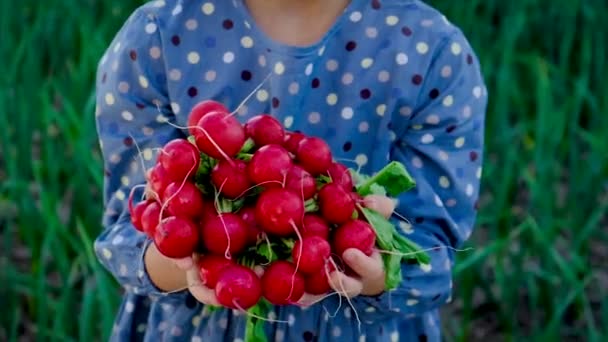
{"x":442,"y":148}
{"x":131,"y":115}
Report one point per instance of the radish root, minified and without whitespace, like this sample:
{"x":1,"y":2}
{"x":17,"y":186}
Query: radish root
{"x":251,"y":94}
{"x":293,"y":277}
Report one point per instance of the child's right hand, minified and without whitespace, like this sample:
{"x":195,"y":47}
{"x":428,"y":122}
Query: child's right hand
{"x":199,"y":291}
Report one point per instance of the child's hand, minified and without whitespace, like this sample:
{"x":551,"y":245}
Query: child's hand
{"x":199,"y":291}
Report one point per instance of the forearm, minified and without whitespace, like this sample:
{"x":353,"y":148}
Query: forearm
{"x":163,"y":272}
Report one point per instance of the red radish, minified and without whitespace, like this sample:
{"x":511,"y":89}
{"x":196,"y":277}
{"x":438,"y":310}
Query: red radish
{"x":209,"y":211}
{"x":180,"y":159}
{"x":238,"y":287}
{"x":185,"y":202}
{"x":230,"y":176}
{"x":210,"y":267}
{"x":201,"y":109}
{"x":335,"y":203}
{"x":278,"y":210}
{"x":176,"y":237}
{"x":220,"y":135}
{"x":292,"y":141}
{"x":150,"y":218}
{"x":269,"y":163}
{"x":339,"y":174}
{"x":318,"y":282}
{"x":314,"y":155}
{"x":136,"y":212}
{"x":264,"y":129}
{"x":301,"y":182}
{"x":314,"y":253}
{"x":253,"y":231}
{"x":226,"y":232}
{"x":315,"y":225}
{"x":354,"y":234}
{"x":281,"y":284}
{"x":158,"y":180}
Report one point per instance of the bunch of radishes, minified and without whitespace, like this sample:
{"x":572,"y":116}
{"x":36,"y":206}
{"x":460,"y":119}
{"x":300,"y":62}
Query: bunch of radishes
{"x":245,"y":195}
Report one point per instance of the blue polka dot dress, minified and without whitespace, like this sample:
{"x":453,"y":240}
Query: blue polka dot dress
{"x":391,"y":80}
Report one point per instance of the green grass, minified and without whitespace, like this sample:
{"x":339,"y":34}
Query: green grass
{"x":538,"y":267}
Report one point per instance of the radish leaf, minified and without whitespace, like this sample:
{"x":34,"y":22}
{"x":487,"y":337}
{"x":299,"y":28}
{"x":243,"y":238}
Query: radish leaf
{"x":394,"y":178}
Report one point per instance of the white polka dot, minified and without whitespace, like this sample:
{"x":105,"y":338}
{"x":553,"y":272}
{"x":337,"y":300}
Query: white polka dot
{"x":356,"y":16}
{"x":371,"y":32}
{"x":279,"y":68}
{"x":443,"y":155}
{"x":123,"y":87}
{"x":405,"y":111}
{"x":110,"y":99}
{"x":279,"y":336}
{"x":291,"y":320}
{"x":314,"y":118}
{"x":459,"y":142}
{"x":362,"y":338}
{"x":208,"y":8}
{"x":366,"y":63}
{"x":175,"y":107}
{"x":381,"y":110}
{"x":262,"y":60}
{"x":332,"y":65}
{"x":141,"y":328}
{"x":228,"y":57}
{"x":126,"y":115}
{"x":446,"y":71}
{"x":176,"y":331}
{"x":117,"y":46}
{"x":444,"y":182}
{"x":347,"y":113}
{"x":415,"y":292}
{"x":448,"y":101}
{"x":262,"y":95}
{"x":155,"y":52}
{"x":477,"y":92}
{"x":332,"y":99}
{"x":143,"y":82}
{"x":147,"y":132}
{"x":361,"y":159}
{"x":175,"y":75}
{"x":160,"y":118}
{"x":238,"y":339}
{"x":469,"y":190}
{"x":426,"y":268}
{"x":447,"y":265}
{"x":384,"y":76}
{"x":412,"y":302}
{"x":336,"y":331}
{"x":223,"y":323}
{"x":288,"y":121}
{"x":466,"y":112}
{"x":438,"y":201}
{"x":456,"y":48}
{"x":150,"y":28}
{"x":422,"y":48}
{"x":117,"y":240}
{"x":122,"y":270}
{"x":106,"y":253}
{"x":347,"y":78}
{"x":308,"y":70}
{"x":247,"y":42}
{"x":392,"y":20}
{"x":114,"y":158}
{"x":147,"y":154}
{"x":121,"y":195}
{"x":432,"y":119}
{"x":129,"y":307}
{"x":210,"y":75}
{"x":406,"y":227}
{"x":395,"y":336}
{"x":370,"y":309}
{"x":177,"y":10}
{"x":450,"y":202}
{"x":401,"y":58}
{"x":159,"y":3}
{"x":321,"y":50}
{"x":347,"y":313}
{"x":417,"y":162}
{"x":191,"y":24}
{"x":426,"y":23}
{"x":193,"y":57}
{"x":163,"y":326}
{"x":427,"y":138}
{"x":293,"y":88}
{"x":272,"y":315}
{"x":196,"y":321}
{"x":363,"y":126}
{"x":479,"y":172}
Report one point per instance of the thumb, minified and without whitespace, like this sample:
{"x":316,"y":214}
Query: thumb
{"x":382,"y":204}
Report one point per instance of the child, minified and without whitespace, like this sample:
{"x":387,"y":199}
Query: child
{"x":379,"y":80}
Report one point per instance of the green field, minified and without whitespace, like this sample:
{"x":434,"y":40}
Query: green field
{"x":538,"y":269}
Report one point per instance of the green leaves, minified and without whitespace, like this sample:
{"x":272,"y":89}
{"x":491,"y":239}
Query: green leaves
{"x":392,"y":180}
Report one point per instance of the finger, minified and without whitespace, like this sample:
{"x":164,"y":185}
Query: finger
{"x":199,"y":291}
{"x":368,"y":267}
{"x":310,"y":299}
{"x":382,"y":204}
{"x":345,"y":285}
{"x":184,"y":263}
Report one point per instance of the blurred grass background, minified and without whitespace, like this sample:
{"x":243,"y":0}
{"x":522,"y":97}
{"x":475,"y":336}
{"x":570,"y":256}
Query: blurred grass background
{"x":539,"y":267}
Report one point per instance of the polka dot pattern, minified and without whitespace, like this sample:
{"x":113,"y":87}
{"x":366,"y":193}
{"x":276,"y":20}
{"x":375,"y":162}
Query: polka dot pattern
{"x":385,"y":86}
